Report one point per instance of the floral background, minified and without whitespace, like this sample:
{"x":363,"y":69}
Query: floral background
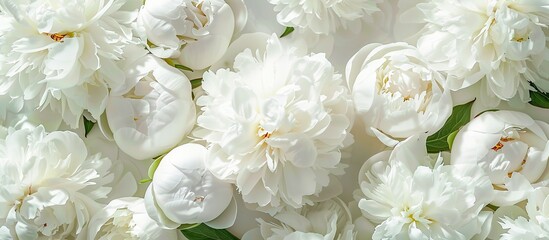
{"x":274,"y":119}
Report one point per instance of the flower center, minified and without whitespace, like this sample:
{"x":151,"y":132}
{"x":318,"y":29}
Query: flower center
{"x":119,"y":226}
{"x":198,"y":18}
{"x":59,"y":37}
{"x":514,"y":154}
{"x":415,"y":215}
{"x":404,"y":86}
{"x":29,"y":191}
{"x":507,"y":26}
{"x":197,"y":15}
{"x":263,"y":133}
{"x":500,"y":144}
{"x":510,"y":174}
{"x":520,"y":38}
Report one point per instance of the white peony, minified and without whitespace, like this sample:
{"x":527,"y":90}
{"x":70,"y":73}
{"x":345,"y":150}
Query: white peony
{"x":328,"y":220}
{"x":195,"y":32}
{"x":537,"y":226}
{"x":502,"y":43}
{"x":126,"y":218}
{"x":396,"y":93}
{"x":62,"y":54}
{"x":16,"y":114}
{"x":275,"y":124}
{"x":184,"y":192}
{"x":408,"y":199}
{"x":154,"y":111}
{"x":512,"y":149}
{"x":49,"y":185}
{"x":323,"y":16}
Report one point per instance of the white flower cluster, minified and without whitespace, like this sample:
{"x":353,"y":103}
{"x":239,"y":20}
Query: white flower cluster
{"x":195,"y":119}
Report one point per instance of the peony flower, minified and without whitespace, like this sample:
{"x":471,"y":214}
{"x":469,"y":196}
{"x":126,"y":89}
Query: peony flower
{"x":396,"y":93}
{"x":511,"y":147}
{"x":537,"y":227}
{"x":154,"y":111}
{"x":49,"y":185}
{"x":14,"y":113}
{"x":184,"y":192}
{"x":277,"y":118}
{"x":501,"y":43}
{"x":323,"y":16}
{"x":62,"y":54}
{"x":328,"y":220}
{"x":195,"y":32}
{"x":126,"y":218}
{"x":408,"y":199}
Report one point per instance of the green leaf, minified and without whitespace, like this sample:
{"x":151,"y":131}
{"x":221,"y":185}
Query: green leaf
{"x":150,"y":43}
{"x":489,"y":110}
{"x":196,"y":83}
{"x":287,"y":32}
{"x":182,"y":67}
{"x":88,"y":126}
{"x":188,"y":226}
{"x":154,"y":166}
{"x":203,"y":232}
{"x":539,"y":99}
{"x":451,"y":137}
{"x":461,"y":115}
{"x":493,"y":207}
{"x":169,"y":62}
{"x":146,"y":180}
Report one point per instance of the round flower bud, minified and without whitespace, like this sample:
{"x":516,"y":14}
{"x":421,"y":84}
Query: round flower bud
{"x":153,"y":111}
{"x":184,"y":192}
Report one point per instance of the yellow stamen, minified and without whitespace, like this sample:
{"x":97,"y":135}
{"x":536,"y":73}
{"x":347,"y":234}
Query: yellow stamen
{"x":57,"y":37}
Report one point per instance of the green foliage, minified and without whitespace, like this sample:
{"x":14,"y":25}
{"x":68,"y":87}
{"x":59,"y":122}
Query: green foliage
{"x":204,"y":232}
{"x":196,"y":83}
{"x":154,"y":166}
{"x":539,"y":99}
{"x":182,"y":67}
{"x":451,"y":137}
{"x":88,"y":126}
{"x":442,"y":140}
{"x":287,"y":32}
